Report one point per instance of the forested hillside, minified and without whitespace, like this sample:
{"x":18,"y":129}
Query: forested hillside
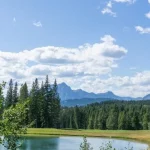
{"x":45,"y":111}
{"x":111,"y":115}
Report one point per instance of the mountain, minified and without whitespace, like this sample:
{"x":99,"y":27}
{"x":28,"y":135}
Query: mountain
{"x":66,"y":93}
{"x":147,"y":97}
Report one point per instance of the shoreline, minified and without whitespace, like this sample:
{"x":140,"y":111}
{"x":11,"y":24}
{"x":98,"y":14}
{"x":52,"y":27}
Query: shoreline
{"x":142,"y":136}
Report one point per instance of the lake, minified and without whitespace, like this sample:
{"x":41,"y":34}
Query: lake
{"x":73,"y":143}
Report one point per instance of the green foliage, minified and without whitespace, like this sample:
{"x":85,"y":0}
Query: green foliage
{"x":111,"y":115}
{"x":107,"y":146}
{"x":44,"y":107}
{"x":15,"y":94}
{"x":1,"y":97}
{"x":12,"y":120}
{"x":85,"y":145}
{"x":12,"y":125}
{"x":23,"y":92}
{"x":9,"y":96}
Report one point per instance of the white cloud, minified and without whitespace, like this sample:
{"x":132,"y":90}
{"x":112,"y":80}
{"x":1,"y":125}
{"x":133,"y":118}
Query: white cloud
{"x":142,"y":30}
{"x":148,"y":15}
{"x":37,"y":23}
{"x":109,"y":4}
{"x":125,"y":1}
{"x":108,"y":11}
{"x":65,"y":64}
{"x":135,"y":86}
{"x":108,"y":8}
{"x":148,"y":1}
{"x":81,"y":67}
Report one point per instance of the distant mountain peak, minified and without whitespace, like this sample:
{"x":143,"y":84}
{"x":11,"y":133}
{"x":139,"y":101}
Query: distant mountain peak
{"x":63,"y":84}
{"x":66,"y":93}
{"x":110,"y":92}
{"x":147,"y":97}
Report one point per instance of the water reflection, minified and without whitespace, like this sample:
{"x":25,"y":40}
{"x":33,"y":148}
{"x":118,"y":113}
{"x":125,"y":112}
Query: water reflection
{"x":73,"y":143}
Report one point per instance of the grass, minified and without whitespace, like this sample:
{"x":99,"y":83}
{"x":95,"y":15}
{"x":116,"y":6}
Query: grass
{"x":140,"y":135}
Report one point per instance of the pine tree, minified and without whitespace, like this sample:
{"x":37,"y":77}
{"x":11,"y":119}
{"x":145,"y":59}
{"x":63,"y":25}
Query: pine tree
{"x":47,"y":105}
{"x":145,"y":121}
{"x":75,"y":118}
{"x":102,"y":120}
{"x":15,"y":94}
{"x":135,"y":121}
{"x":9,"y":96}
{"x":121,"y":121}
{"x":42,"y":106}
{"x":55,"y":105}
{"x":35,"y":104}
{"x":112,"y":120}
{"x":2,"y":85}
{"x":23,"y":92}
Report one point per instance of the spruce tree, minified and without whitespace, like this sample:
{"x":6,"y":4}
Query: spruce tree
{"x":34,"y":104}
{"x":112,"y":120}
{"x":23,"y":92}
{"x":15,"y":94}
{"x":55,"y":105}
{"x":48,"y":100}
{"x":121,"y":121}
{"x":145,"y":121}
{"x":42,"y":106}
{"x":9,"y":96}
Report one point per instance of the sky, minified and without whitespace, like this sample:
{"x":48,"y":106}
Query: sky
{"x":94,"y":45}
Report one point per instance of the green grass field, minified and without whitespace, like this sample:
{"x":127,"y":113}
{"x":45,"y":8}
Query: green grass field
{"x":141,"y":135}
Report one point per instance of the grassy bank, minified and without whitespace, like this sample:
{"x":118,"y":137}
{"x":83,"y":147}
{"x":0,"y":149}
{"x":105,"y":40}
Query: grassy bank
{"x":142,"y":135}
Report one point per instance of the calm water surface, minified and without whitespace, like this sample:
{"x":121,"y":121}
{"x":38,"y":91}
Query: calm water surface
{"x":73,"y":143}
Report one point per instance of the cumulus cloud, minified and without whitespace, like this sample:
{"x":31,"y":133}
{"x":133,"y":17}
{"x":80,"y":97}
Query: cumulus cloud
{"x":82,"y":67}
{"x":108,"y":11}
{"x":149,"y":1}
{"x":37,"y":23}
{"x":137,"y":85}
{"x":142,"y":30}
{"x":108,"y":8}
{"x":148,"y":15}
{"x":86,"y":60}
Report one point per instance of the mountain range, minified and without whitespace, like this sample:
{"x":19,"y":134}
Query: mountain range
{"x":67,"y":95}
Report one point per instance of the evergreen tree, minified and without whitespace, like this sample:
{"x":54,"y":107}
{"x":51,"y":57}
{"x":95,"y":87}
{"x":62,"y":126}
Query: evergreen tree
{"x":48,"y":102}
{"x":42,"y":106}
{"x":112,"y":121}
{"x":135,"y":121}
{"x":145,"y":121}
{"x":9,"y":96}
{"x":15,"y":94}
{"x":75,"y":118}
{"x":102,"y":120}
{"x":35,"y":104}
{"x":121,"y":121}
{"x":23,"y":92}
{"x":55,"y":105}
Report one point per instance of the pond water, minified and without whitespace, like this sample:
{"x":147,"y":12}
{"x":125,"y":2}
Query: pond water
{"x":73,"y":143}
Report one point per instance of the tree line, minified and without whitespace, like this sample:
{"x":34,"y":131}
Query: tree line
{"x":45,"y":111}
{"x":110,"y":115}
{"x":44,"y":102}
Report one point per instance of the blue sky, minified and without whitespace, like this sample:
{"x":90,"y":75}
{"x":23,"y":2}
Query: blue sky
{"x":65,"y":25}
